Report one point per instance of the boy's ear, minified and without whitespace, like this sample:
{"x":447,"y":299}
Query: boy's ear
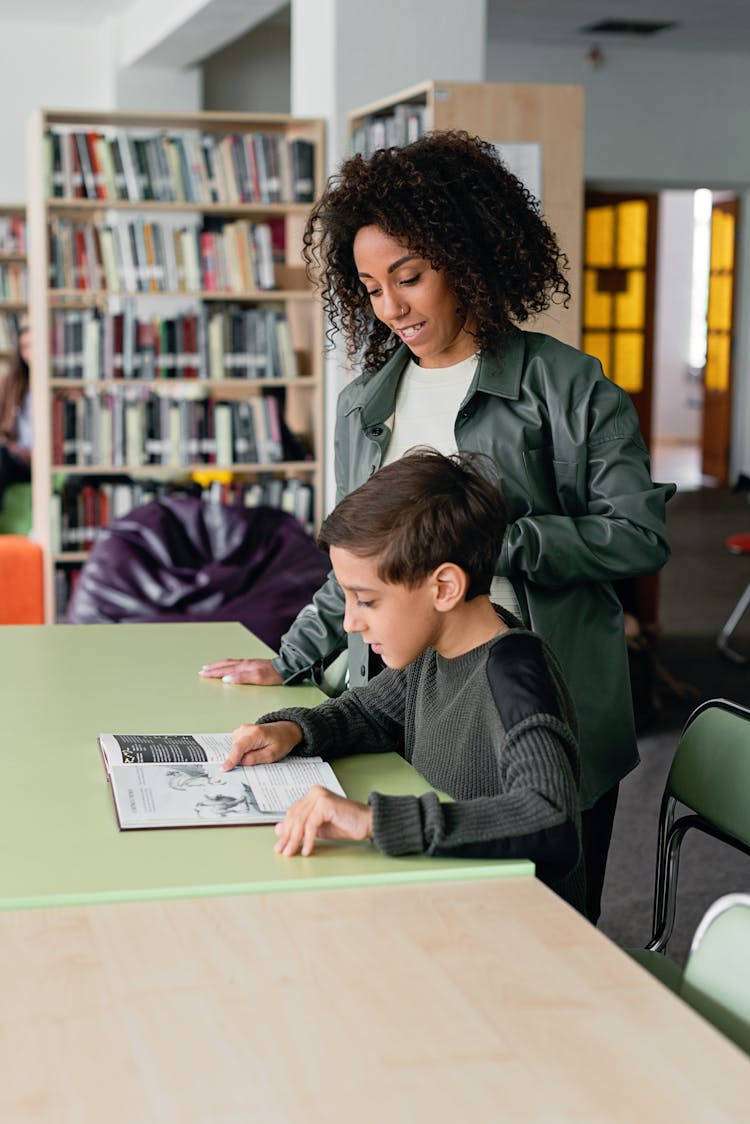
{"x":451,"y":585}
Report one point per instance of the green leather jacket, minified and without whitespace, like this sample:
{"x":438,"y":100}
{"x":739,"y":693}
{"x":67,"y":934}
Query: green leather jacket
{"x":582,"y":511}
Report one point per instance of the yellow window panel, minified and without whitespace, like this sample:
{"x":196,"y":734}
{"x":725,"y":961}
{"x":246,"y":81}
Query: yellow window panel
{"x":720,"y":302}
{"x":598,"y":345}
{"x":597,"y":307}
{"x":600,"y":226}
{"x":628,"y":372}
{"x":630,"y":306}
{"x":722,"y":240}
{"x":718,"y":358}
{"x":632,"y":233}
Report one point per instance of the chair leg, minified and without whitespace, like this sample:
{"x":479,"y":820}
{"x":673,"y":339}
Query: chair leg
{"x":733,"y":620}
{"x":667,"y":906}
{"x":666,"y":821}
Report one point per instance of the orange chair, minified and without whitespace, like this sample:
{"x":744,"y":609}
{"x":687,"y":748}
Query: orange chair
{"x":21,"y":590}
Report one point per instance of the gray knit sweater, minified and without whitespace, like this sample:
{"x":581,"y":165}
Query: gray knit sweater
{"x":494,"y":729}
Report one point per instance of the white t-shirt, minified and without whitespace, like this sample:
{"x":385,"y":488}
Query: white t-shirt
{"x":427,"y":404}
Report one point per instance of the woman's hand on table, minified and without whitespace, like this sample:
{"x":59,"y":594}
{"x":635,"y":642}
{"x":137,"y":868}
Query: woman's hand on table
{"x":321,"y":814}
{"x":260,"y":672}
{"x":260,"y":745}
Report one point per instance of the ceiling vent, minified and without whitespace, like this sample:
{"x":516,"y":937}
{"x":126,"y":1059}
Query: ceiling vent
{"x":627,"y":27}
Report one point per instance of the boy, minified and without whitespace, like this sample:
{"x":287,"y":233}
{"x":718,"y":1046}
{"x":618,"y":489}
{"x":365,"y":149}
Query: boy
{"x":472,"y":700}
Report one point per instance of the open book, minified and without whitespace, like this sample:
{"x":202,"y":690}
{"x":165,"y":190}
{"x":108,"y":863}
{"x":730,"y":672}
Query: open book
{"x":176,"y":780}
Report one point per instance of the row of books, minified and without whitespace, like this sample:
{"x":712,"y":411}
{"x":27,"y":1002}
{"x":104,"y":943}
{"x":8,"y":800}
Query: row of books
{"x":133,"y":426}
{"x":179,"y":166}
{"x":138,"y":255}
{"x":13,"y":285}
{"x":80,"y":508}
{"x":226,"y":343}
{"x":402,"y":125}
{"x":8,"y":331}
{"x":12,"y":234}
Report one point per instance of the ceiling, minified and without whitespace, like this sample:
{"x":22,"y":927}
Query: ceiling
{"x":701,"y":25}
{"x":62,"y":11}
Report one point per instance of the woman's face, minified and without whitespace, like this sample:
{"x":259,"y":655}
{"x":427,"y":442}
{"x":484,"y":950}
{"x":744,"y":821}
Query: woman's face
{"x":413,"y":299}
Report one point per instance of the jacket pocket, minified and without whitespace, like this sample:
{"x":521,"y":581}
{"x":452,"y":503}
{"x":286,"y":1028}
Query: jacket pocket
{"x":554,"y":485}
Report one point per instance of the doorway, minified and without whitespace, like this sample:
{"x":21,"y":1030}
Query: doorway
{"x":658,"y":312}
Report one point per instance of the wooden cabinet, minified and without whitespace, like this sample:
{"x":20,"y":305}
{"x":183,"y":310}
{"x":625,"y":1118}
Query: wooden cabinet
{"x":176,"y":340}
{"x":547,"y":118}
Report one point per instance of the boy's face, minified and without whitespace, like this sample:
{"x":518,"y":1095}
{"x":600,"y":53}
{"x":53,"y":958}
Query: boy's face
{"x":398,"y":623}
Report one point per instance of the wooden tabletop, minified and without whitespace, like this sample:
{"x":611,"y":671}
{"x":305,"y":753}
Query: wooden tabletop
{"x":481,"y":1001}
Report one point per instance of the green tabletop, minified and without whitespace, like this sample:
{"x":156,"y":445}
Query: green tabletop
{"x":63,"y":685}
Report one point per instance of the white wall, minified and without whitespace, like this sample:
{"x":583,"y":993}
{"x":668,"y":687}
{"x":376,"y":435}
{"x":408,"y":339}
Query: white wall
{"x":676,"y":118}
{"x":251,"y":75}
{"x":675,"y":416}
{"x":44,"y":65}
{"x":157,"y":89}
{"x":661,"y":119}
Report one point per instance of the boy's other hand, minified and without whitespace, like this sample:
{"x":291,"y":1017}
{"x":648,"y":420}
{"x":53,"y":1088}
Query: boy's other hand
{"x":260,"y":745}
{"x":324,"y":815}
{"x":260,"y":672}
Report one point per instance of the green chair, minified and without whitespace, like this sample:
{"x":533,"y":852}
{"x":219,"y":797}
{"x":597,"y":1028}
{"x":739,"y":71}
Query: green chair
{"x":15,"y":517}
{"x":710,"y":777}
{"x":716,"y":981}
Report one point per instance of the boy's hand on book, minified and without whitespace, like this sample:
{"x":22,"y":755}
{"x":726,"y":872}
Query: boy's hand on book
{"x":260,"y":745}
{"x":323,"y":815}
{"x":260,"y":672}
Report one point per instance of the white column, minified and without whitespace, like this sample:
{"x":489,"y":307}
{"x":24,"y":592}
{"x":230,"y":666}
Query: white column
{"x":347,"y":53}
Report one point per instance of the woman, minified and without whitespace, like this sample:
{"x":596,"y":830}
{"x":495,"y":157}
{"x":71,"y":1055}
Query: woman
{"x":15,"y":419}
{"x":428,"y":258}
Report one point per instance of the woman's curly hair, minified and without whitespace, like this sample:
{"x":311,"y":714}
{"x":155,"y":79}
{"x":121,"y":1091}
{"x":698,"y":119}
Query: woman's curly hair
{"x":449,"y":198}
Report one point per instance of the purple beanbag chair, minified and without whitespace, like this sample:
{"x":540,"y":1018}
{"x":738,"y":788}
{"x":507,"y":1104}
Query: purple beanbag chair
{"x":181,"y":559}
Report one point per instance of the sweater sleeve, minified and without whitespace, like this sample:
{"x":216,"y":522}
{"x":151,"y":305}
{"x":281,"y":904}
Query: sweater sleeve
{"x":535,"y":815}
{"x":366,"y":719}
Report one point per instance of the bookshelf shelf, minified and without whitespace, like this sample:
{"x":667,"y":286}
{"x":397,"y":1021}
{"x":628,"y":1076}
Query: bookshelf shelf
{"x":221,"y":210}
{"x":69,"y":298}
{"x":167,"y":471}
{"x":241,"y":386}
{"x":127,"y":206}
{"x":548,"y":117}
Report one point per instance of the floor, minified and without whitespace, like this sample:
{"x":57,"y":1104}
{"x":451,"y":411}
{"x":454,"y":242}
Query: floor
{"x":677,"y":462}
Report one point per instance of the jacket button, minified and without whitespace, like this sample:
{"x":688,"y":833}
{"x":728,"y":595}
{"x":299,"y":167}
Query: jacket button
{"x":376,"y":431}
{"x":363,"y":671}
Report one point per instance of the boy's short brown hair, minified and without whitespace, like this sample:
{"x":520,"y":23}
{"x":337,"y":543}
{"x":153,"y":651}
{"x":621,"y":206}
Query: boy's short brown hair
{"x":420,"y":511}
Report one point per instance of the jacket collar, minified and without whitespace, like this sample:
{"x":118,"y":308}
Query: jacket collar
{"x":497,"y":373}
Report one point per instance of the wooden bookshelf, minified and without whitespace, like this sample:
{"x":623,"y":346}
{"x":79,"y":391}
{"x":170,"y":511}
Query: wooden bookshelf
{"x":550,"y":116}
{"x":12,"y":263}
{"x":198,"y":174}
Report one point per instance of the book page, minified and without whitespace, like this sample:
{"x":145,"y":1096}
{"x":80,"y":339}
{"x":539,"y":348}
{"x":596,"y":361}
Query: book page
{"x":131,"y":749}
{"x":281,"y":784}
{"x":195,"y":794}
